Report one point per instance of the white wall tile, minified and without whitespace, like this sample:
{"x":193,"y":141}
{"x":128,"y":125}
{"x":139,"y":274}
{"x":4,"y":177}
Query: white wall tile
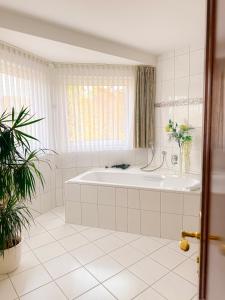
{"x":150,"y":200}
{"x":107,"y":217}
{"x":133,"y":198}
{"x":171,"y":226}
{"x":106,"y":195}
{"x":191,"y":223}
{"x":134,"y":220}
{"x":188,"y":84}
{"x":59,"y":197}
{"x":47,"y":201}
{"x":196,"y":87}
{"x":72,"y":192}
{"x":197,"y":60}
{"x":172,"y":202}
{"x":195,"y":115}
{"x":89,"y":214}
{"x":182,"y":51}
{"x":196,"y":161}
{"x":73,"y":212}
{"x":192,"y":204}
{"x":89,"y":193}
{"x":167,"y":90}
{"x":181,"y":88}
{"x":168,"y":69}
{"x":68,"y":174}
{"x":181,"y":66}
{"x":150,"y":223}
{"x":121,"y":218}
{"x":181,"y":114}
{"x":121,"y":197}
{"x":166,"y":114}
{"x":58,"y":178}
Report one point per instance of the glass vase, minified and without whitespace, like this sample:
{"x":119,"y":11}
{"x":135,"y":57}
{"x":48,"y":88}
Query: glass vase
{"x":186,"y":156}
{"x":181,"y":170}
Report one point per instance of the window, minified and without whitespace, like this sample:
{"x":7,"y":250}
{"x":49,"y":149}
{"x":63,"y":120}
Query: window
{"x":98,"y":109}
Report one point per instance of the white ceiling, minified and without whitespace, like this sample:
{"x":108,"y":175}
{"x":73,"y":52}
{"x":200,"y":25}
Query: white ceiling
{"x":154,"y":26}
{"x":59,"y":52}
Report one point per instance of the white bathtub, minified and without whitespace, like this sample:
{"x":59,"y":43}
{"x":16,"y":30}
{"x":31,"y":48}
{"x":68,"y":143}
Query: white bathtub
{"x":138,"y":179}
{"x":155,"y":204}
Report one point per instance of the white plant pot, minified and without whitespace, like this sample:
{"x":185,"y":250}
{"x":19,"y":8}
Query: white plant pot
{"x":11,"y":259}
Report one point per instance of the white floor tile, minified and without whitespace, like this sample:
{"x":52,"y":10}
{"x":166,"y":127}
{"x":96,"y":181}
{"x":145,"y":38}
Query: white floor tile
{"x":194,"y":248}
{"x":146,"y":245}
{"x":188,"y":270}
{"x":127,"y":255}
{"x":46,"y":292}
{"x":104,"y":267}
{"x":127,"y":237}
{"x":59,"y":211}
{"x":3,"y":276}
{"x":49,"y":251}
{"x":109,"y":243}
{"x":87,"y":254}
{"x":39,"y":240}
{"x":34,"y":229}
{"x":61,"y":265}
{"x":24,"y":247}
{"x":125,"y":286}
{"x":173,"y":287}
{"x":161,"y":240}
{"x":78,"y":227}
{"x":148,"y":270}
{"x":73,"y":241}
{"x":45,"y":217}
{"x":93,"y":234}
{"x":62,"y":231}
{"x":76,"y":283}
{"x":28,"y":261}
{"x":98,"y":293}
{"x":149,"y":294}
{"x":7,"y":291}
{"x":53,"y":223}
{"x":29,"y":280}
{"x":167,"y":257}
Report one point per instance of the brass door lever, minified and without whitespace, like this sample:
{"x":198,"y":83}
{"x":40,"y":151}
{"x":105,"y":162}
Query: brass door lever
{"x":184,"y":244}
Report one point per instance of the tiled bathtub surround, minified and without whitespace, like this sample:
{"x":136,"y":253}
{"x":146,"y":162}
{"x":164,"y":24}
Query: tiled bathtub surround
{"x":149,"y":212}
{"x":61,"y":167}
{"x":179,"y":96}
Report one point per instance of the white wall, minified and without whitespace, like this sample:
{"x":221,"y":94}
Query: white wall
{"x":179,"y":96}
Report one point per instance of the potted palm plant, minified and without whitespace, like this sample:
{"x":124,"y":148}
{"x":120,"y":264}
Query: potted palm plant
{"x":18,"y":177}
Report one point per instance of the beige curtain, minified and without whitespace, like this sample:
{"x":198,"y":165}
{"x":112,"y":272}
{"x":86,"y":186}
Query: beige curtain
{"x":144,"y":107}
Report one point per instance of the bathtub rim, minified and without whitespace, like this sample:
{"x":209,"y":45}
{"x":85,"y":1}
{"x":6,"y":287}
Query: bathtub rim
{"x":77,"y":180}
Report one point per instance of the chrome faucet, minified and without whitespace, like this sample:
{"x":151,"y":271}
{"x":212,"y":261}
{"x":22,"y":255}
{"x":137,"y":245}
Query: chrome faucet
{"x":174,"y":159}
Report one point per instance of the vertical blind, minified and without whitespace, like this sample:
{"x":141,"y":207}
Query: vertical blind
{"x":24,"y":81}
{"x":95,"y":104}
{"x":86,"y":107}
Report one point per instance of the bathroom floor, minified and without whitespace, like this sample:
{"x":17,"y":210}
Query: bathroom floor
{"x":62,"y":261}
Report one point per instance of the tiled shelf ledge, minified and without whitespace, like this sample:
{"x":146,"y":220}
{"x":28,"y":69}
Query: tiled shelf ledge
{"x":149,"y":212}
{"x":179,"y":102}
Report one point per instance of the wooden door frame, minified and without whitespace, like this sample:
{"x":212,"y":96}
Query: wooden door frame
{"x":206,"y":170}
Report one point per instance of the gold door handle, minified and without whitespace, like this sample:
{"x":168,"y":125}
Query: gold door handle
{"x":184,"y":244}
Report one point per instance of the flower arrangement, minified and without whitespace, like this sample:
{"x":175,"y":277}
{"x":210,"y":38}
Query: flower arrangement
{"x":179,"y":133}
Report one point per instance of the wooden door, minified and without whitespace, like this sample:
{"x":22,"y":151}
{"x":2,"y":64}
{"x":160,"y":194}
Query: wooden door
{"x":212,"y":265}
